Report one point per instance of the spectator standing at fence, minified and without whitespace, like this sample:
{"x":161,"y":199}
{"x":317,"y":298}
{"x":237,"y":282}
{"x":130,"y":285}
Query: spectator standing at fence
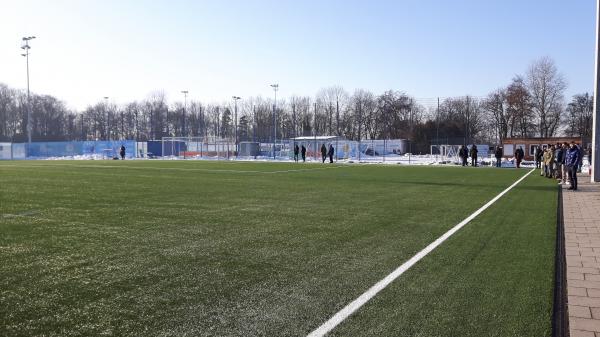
{"x":463,"y":154}
{"x":303,"y":151}
{"x":572,"y":161}
{"x":519,"y":154}
{"x":565,"y":171}
{"x":474,"y":155}
{"x":559,"y":158}
{"x":580,"y":163}
{"x":323,"y":152}
{"x":498,"y":155}
{"x":330,"y":153}
{"x":122,"y":152}
{"x":548,"y":159}
{"x":537,"y":154}
{"x":296,"y":150}
{"x":542,"y":163}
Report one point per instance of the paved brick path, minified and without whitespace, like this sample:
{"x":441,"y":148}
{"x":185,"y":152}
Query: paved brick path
{"x":582,"y":240}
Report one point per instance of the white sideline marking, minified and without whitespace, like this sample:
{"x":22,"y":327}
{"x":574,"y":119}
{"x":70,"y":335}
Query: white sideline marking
{"x":181,"y":168}
{"x":349,"y":309}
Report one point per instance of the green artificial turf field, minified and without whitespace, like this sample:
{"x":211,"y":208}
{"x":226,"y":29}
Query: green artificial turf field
{"x":190,"y":248}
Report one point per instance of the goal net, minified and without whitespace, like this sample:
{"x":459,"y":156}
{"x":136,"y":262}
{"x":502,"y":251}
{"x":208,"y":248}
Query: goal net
{"x":196,"y":148}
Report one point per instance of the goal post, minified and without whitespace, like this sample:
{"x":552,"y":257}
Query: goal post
{"x":197,"y":148}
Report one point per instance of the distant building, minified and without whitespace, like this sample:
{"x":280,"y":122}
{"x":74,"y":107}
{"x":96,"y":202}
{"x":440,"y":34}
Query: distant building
{"x":510,"y":145}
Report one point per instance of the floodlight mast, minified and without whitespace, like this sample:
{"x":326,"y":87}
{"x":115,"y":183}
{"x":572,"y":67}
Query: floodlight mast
{"x":595,"y":162}
{"x":107,"y":117}
{"x":26,"y":47}
{"x":275,"y":89}
{"x":185,"y":93}
{"x":235,"y":99}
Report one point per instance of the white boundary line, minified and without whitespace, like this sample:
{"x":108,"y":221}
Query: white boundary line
{"x":349,"y":309}
{"x":179,"y":168}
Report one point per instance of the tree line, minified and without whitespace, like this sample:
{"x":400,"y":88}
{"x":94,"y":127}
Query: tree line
{"x":531,"y":105}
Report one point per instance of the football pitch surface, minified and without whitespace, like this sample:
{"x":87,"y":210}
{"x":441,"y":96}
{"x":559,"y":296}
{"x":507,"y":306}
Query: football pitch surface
{"x":196,"y":248}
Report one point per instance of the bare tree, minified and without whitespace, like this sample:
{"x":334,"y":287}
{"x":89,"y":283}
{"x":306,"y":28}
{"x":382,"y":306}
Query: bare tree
{"x":496,"y":107}
{"x":546,"y":86}
{"x":520,"y":108}
{"x":579,"y":116}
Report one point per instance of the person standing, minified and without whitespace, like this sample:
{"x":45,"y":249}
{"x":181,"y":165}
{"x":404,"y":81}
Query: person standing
{"x":580,"y":163}
{"x":572,"y":161}
{"x":330,"y":153}
{"x":303,"y":152}
{"x":547,"y":160}
{"x":565,"y":171}
{"x":323,"y":152}
{"x":559,"y":159}
{"x":519,"y":154}
{"x":498,"y":155}
{"x":537,"y":156}
{"x":463,"y":154}
{"x":122,"y":152}
{"x":474,"y":155}
{"x":296,"y":150}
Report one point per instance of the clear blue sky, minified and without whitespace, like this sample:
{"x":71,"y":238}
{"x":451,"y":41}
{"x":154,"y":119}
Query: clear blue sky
{"x":126,"y":49}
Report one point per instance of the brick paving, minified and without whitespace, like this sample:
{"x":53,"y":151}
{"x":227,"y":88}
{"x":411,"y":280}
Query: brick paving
{"x":581,"y":211}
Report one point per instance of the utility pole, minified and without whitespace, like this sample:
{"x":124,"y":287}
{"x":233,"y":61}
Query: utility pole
{"x":107,"y":117}
{"x":595,"y":176}
{"x":235,"y":99}
{"x":26,"y":47}
{"x":275,"y":88}
{"x":185,"y":93}
{"x":337,"y":126}
{"x":315,"y":131}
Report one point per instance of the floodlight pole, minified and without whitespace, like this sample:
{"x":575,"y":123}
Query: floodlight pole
{"x":26,"y":47}
{"x":275,"y":88}
{"x":235,"y":99}
{"x":107,"y":117}
{"x":185,"y":93}
{"x":595,"y":176}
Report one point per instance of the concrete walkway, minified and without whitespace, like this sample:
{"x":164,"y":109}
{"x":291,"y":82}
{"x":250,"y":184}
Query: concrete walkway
{"x":581,"y":211}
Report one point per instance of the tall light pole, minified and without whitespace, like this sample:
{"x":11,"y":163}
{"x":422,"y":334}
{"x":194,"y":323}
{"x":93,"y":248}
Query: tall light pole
{"x":107,"y":117}
{"x":185,"y":93}
{"x":275,"y":89}
{"x":235,"y":124}
{"x":26,"y":47}
{"x":595,"y":176}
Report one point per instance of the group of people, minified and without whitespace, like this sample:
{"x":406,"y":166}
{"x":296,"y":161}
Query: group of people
{"x":464,"y":153}
{"x":324,"y":152}
{"x":561,"y":162}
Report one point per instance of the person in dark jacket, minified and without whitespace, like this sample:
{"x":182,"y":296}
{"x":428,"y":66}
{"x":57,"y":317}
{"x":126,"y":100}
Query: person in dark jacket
{"x":122,"y":152}
{"x":498,"y":155}
{"x":474,"y":155}
{"x":463,"y":154}
{"x":580,"y":163}
{"x":323,"y":152}
{"x":537,"y":156}
{"x":296,"y":151}
{"x":559,"y":160}
{"x":303,"y":152}
{"x":572,"y":161}
{"x":330,"y":153}
{"x":519,"y":154}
